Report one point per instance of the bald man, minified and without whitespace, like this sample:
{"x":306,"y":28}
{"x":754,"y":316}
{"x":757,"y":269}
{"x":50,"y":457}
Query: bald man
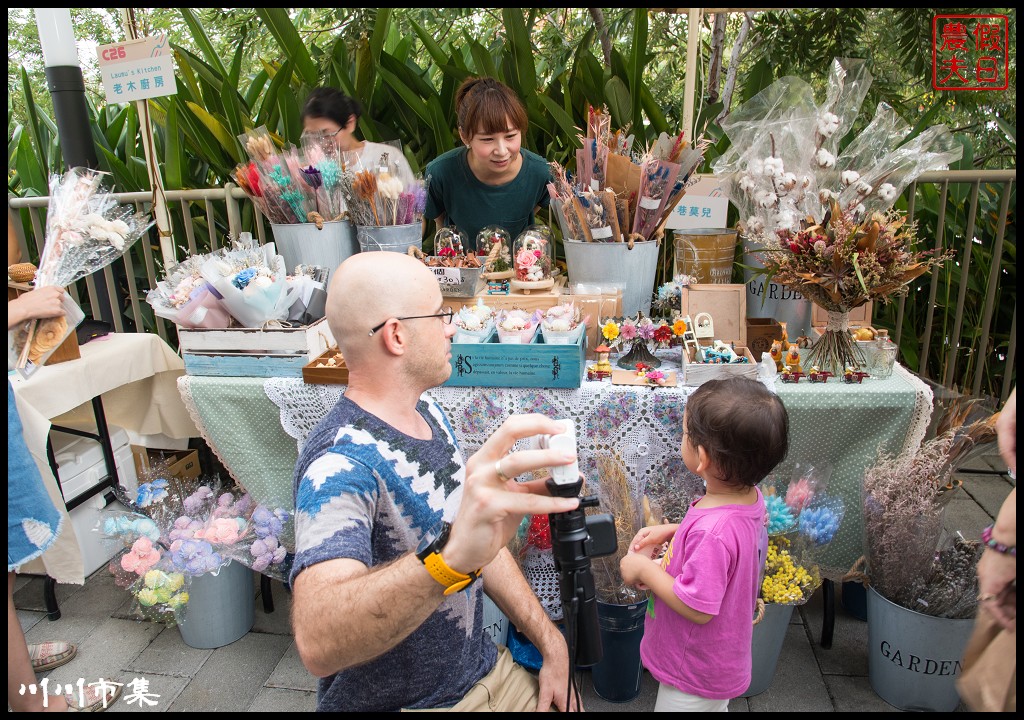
{"x":392,"y":530}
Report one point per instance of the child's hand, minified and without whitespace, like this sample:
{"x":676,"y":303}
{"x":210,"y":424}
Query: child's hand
{"x":649,"y":540}
{"x":632,"y":566}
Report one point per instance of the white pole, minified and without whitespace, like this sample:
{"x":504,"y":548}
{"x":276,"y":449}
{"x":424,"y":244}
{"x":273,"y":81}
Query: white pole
{"x":692,"y":48}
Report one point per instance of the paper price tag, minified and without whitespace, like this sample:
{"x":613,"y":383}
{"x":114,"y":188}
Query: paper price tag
{"x":448,"y":276}
{"x":649,"y":203}
{"x":601,"y":233}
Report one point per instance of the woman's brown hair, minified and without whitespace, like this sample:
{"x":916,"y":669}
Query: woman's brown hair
{"x":486,"y":105}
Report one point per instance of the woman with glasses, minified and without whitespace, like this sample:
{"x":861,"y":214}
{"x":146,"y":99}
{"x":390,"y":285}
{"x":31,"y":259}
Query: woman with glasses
{"x":331,"y":112}
{"x":492,"y":179}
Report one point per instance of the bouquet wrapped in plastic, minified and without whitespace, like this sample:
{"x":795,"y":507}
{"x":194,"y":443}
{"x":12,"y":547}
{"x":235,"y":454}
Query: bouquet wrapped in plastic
{"x":822,"y":217}
{"x":802,"y":519}
{"x":86,"y":230}
{"x":252,"y":282}
{"x":178,"y":534}
{"x":562,"y":324}
{"x":310,"y":288}
{"x":474,"y":322}
{"x":517,"y":326}
{"x":187,"y":299}
{"x":378,"y":196}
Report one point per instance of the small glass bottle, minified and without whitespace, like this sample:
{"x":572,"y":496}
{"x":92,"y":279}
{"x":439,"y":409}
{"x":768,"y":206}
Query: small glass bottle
{"x":884,"y":352}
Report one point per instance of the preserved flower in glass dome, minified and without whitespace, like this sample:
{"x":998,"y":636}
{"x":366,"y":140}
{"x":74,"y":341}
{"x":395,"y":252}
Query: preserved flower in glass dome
{"x":495,"y":244}
{"x":449,"y":242}
{"x":532,"y":260}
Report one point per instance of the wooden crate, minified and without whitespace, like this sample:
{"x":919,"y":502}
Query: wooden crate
{"x":537,"y":364}
{"x":315,"y":373}
{"x":695,"y":374}
{"x":727,"y":305}
{"x":253,"y":352}
{"x":534,"y":301}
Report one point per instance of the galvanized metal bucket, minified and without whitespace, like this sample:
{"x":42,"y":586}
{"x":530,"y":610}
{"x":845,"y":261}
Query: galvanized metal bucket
{"x":914,"y":659}
{"x":769,"y":299}
{"x":592,"y":263}
{"x":305,"y":244}
{"x":393,"y":238}
{"x":769,"y":636}
{"x":221,"y":607}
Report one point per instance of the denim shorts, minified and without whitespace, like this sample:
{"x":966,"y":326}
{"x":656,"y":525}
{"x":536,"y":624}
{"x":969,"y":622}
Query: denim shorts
{"x":32,"y":521}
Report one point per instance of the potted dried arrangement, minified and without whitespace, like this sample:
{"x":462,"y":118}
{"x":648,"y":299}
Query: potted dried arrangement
{"x":923,"y":587}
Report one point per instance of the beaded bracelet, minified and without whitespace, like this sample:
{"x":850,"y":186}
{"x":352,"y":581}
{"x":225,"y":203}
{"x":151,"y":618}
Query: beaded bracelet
{"x":993,"y":544}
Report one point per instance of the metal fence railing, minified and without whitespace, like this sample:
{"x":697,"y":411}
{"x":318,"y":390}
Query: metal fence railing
{"x":968,"y":212}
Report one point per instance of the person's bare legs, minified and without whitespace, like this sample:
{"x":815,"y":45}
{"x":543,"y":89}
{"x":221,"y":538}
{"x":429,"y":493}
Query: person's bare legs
{"x":19,"y":666}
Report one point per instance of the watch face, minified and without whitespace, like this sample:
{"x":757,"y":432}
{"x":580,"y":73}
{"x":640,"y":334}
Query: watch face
{"x":434,"y":540}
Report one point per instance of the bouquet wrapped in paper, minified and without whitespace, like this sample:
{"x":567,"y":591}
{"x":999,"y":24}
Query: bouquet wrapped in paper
{"x":612,"y":198}
{"x":187,"y":299}
{"x":252,"y":283}
{"x":86,"y":230}
{"x":822,"y":217}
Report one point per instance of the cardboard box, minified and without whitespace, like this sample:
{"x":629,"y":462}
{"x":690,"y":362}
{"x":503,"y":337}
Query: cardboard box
{"x":761,"y":333}
{"x":727,"y":305}
{"x":317,"y":373}
{"x":253,"y":352}
{"x":537,"y":364}
{"x":695,"y":374}
{"x":183,"y":465}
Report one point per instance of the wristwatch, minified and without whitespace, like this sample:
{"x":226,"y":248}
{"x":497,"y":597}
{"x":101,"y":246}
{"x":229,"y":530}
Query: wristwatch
{"x":429,"y":553}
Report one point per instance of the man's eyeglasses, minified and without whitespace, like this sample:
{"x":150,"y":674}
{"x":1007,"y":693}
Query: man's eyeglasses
{"x":446,"y":314}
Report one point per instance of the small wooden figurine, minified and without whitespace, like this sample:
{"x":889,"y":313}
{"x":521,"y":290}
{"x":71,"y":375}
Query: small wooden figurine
{"x":793,"y":357}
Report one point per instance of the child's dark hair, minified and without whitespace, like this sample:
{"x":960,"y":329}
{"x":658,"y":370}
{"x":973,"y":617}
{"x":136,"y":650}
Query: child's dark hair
{"x":742,"y":426}
{"x":487,"y":105}
{"x":331,"y":103}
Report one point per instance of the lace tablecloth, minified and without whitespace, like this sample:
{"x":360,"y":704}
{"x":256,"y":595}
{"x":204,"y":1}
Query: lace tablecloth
{"x":257,"y":426}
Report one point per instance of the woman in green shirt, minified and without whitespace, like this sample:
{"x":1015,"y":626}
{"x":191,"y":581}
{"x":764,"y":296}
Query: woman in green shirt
{"x":491,"y":180}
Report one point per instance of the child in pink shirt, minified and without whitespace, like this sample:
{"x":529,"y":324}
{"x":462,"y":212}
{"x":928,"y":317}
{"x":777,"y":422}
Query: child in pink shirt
{"x":697,"y":636}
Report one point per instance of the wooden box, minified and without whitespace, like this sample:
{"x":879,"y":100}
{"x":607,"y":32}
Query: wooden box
{"x":253,"y":352}
{"x":318,"y":372}
{"x":695,"y":374}
{"x":534,"y":301}
{"x":727,"y":305}
{"x":761,"y":333}
{"x":537,"y":364}
{"x":67,"y":350}
{"x":859,"y":316}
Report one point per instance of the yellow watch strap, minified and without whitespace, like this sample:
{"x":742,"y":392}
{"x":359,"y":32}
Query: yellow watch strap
{"x":452,"y":580}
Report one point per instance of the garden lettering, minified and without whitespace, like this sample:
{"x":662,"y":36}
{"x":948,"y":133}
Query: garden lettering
{"x":757,"y":288}
{"x":931,"y":667}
